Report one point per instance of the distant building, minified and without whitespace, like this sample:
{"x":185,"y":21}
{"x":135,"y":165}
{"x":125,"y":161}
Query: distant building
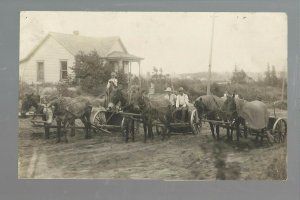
{"x":51,"y":60}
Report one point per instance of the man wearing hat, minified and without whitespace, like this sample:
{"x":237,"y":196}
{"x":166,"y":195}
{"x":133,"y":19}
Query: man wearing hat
{"x":111,"y":85}
{"x":182,"y":103}
{"x":170,"y":96}
{"x":113,"y":80}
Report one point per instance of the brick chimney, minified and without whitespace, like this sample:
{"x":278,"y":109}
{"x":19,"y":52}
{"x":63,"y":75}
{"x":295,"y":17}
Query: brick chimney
{"x":75,"y":32}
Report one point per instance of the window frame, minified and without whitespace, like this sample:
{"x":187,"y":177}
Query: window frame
{"x":38,"y":69}
{"x":61,"y":70}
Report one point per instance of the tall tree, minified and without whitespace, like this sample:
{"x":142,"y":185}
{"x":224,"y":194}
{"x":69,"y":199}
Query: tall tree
{"x":268,"y":75}
{"x":239,"y":76}
{"x":93,"y":72}
{"x":273,"y":77}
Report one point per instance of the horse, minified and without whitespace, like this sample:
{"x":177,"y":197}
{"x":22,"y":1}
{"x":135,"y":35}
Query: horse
{"x":210,"y":107}
{"x":66,"y":110}
{"x":128,"y":105}
{"x":254,"y":113}
{"x":150,"y":110}
{"x":30,"y":100}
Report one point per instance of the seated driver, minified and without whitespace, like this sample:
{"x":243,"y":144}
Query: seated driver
{"x":170,"y":96}
{"x":182,"y":103}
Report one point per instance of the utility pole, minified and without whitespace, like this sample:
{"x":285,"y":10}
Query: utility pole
{"x":210,"y":55}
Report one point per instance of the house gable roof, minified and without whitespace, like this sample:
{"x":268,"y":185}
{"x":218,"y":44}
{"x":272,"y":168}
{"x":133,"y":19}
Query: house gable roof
{"x":125,"y":56}
{"x":76,"y":43}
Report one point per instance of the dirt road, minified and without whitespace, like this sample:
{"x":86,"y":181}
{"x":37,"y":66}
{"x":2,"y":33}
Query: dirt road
{"x":182,"y":157}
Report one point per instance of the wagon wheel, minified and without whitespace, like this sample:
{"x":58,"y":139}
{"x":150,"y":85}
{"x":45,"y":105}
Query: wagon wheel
{"x":279,"y":130}
{"x":99,"y":120}
{"x":195,"y":122}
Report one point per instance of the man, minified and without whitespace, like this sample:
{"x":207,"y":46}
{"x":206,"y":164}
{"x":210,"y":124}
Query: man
{"x":226,"y":94}
{"x":113,"y":80}
{"x":170,"y":96}
{"x":111,"y":85}
{"x":182,"y":103}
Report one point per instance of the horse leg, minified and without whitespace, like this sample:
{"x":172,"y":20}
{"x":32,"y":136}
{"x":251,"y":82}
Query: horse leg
{"x":237,"y":127}
{"x":228,"y":132}
{"x":83,"y":120}
{"x":126,"y":130}
{"x":149,"y":127}
{"x":132,"y":129}
{"x":262,"y":136}
{"x":58,"y":130}
{"x":88,"y":122}
{"x":245,"y":130}
{"x":256,"y":137}
{"x":65,"y":132}
{"x":72,"y":124}
{"x":212,"y":130}
{"x":218,"y":132}
{"x":168,"y":130}
{"x":46,"y":128}
{"x":47,"y":131}
{"x":145,"y":125}
{"x":150,"y":130}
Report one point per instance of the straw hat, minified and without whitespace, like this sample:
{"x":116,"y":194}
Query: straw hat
{"x":113,"y":74}
{"x":180,"y":89}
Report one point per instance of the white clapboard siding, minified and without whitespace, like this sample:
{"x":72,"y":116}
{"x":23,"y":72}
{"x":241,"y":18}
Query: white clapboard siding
{"x":51,"y":53}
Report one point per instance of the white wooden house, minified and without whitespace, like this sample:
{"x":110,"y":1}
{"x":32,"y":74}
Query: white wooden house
{"x":51,"y":60}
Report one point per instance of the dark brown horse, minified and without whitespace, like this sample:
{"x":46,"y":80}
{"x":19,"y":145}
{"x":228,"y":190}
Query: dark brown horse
{"x":210,"y":107}
{"x":152,"y":110}
{"x":254,"y":113}
{"x":31,"y":100}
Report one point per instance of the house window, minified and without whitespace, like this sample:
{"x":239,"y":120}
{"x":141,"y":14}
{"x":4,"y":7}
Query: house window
{"x":40,"y":72}
{"x":63,"y":70}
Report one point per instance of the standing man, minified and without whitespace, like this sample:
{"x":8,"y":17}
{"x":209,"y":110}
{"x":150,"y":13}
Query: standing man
{"x":170,"y":96}
{"x":182,"y":103}
{"x":113,"y":81}
{"x":111,"y":85}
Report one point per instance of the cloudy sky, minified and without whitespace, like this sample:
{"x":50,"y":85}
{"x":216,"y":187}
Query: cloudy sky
{"x":177,"y":42}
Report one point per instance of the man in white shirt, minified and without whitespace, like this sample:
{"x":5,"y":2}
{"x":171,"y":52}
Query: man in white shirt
{"x":170,"y":96}
{"x":182,"y":103}
{"x":111,"y":85}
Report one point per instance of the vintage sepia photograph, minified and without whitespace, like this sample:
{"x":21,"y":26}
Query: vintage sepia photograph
{"x":153,"y":95}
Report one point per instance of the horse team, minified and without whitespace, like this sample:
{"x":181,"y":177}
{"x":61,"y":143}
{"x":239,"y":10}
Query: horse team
{"x":232,"y":112}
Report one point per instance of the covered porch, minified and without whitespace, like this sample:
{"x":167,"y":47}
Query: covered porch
{"x":121,"y":61}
